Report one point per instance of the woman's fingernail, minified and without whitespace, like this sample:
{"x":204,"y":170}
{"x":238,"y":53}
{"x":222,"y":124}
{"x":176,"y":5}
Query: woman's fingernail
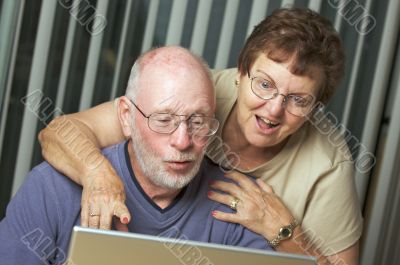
{"x":214,"y":213}
{"x":211,"y":182}
{"x":209,"y":193}
{"x":125,"y":220}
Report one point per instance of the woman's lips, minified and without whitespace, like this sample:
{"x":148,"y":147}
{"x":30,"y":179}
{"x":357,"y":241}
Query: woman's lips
{"x":266,"y":126}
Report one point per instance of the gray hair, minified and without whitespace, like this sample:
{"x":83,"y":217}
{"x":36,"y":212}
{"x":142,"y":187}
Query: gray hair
{"x":132,"y":88}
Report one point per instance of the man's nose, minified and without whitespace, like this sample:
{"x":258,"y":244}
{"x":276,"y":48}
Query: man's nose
{"x":181,"y":138}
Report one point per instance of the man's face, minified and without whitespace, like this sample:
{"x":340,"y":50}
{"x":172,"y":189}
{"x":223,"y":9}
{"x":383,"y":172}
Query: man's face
{"x":170,"y":160}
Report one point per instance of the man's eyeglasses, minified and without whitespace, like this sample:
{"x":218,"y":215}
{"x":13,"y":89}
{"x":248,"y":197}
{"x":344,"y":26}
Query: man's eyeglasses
{"x":294,"y":104}
{"x":167,"y":123}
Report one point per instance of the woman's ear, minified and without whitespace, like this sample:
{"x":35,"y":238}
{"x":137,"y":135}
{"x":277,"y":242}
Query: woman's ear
{"x":125,"y":115}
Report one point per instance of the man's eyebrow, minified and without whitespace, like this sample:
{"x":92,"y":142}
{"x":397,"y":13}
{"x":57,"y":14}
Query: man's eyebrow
{"x":267,"y":75}
{"x":202,"y":113}
{"x":300,"y":94}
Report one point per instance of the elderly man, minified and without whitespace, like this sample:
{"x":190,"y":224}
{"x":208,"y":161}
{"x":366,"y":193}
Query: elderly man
{"x":167,"y":115}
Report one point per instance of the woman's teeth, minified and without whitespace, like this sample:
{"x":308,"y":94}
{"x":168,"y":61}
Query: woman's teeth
{"x":269,"y":123}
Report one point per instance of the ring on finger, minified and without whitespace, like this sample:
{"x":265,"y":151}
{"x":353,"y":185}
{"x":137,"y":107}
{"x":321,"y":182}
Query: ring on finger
{"x":93,"y":212}
{"x":234,"y":203}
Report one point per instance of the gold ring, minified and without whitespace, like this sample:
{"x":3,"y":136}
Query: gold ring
{"x":234,"y":203}
{"x":94,"y":214}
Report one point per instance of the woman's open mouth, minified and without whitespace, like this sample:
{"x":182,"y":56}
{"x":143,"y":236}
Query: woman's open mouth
{"x":266,"y":125}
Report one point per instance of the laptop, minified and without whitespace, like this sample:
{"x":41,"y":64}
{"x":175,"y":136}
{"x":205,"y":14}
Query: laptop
{"x":101,"y":247}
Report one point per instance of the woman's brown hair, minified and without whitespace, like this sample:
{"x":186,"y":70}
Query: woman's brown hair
{"x":303,"y":37}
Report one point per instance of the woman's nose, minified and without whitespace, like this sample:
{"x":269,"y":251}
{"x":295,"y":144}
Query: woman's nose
{"x":276,"y":105}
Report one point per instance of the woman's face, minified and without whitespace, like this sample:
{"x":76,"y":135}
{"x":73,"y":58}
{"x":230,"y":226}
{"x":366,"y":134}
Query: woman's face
{"x":266,"y":123}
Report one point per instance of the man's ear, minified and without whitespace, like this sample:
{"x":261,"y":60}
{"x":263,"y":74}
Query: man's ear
{"x":125,"y":115}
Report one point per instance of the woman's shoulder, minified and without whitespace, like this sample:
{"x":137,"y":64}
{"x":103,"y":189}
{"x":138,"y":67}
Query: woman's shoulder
{"x":226,"y":92}
{"x":224,"y":81}
{"x":220,"y":75}
{"x":326,"y":141}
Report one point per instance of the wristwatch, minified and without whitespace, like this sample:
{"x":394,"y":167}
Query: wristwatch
{"x":284,"y":233}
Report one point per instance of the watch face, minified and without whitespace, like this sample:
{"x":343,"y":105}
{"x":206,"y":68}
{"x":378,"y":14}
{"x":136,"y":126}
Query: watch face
{"x":285,"y":232}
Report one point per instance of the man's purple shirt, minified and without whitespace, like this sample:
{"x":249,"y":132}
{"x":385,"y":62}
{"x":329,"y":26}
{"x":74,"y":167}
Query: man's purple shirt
{"x":40,"y":217}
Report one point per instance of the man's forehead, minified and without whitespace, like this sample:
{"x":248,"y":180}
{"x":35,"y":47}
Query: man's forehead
{"x":178,"y":105}
{"x":178,"y":92}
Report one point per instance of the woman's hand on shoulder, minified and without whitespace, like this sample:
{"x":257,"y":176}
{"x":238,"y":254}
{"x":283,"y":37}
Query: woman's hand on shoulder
{"x":257,"y":207}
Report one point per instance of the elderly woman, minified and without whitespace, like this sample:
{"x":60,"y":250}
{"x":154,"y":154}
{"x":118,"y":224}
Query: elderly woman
{"x":285,"y":180}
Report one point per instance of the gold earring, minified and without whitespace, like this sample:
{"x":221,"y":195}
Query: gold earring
{"x":237,"y":83}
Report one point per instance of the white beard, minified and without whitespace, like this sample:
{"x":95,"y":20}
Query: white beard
{"x":152,"y":165}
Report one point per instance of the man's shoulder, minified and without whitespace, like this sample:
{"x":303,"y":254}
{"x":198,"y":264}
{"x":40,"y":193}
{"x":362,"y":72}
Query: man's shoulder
{"x":46,"y":177}
{"x":211,"y":170}
{"x":50,"y":193}
{"x":112,"y":152}
{"x":44,"y":172}
{"x":45,"y":208}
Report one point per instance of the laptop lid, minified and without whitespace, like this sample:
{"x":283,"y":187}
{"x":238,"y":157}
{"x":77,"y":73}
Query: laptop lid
{"x":92,"y":246}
